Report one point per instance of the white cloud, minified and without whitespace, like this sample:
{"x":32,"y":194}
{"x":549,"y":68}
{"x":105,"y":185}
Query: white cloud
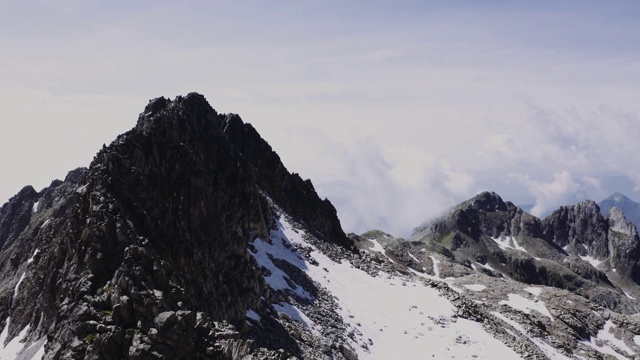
{"x":378,"y":188}
{"x":561,"y":190}
{"x":592,"y":182}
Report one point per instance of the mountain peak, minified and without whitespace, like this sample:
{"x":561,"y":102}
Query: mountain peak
{"x":487,"y":201}
{"x":153,"y":235}
{"x":185,"y":115}
{"x":617,"y":197}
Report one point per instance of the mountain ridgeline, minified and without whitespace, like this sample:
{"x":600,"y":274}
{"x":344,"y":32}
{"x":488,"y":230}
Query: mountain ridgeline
{"x":152,"y":235}
{"x":574,"y":248}
{"x":187,"y":238}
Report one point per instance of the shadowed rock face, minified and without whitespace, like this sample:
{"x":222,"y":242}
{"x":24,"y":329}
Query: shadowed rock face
{"x":294,"y":195}
{"x":151,"y":239}
{"x":497,"y":238}
{"x":581,"y":226}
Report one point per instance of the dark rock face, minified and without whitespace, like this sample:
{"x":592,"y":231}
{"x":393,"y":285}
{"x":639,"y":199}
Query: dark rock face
{"x":146,"y":250}
{"x":497,"y":238}
{"x":16,"y":214}
{"x":294,"y":195}
{"x":581,"y":226}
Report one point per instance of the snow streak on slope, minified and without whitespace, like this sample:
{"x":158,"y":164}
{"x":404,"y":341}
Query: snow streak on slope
{"x":606,"y":339}
{"x":548,"y":350}
{"x":30,"y":260}
{"x":591,"y":260}
{"x":436,"y":270}
{"x":392,"y":317}
{"x":521,"y":303}
{"x":16,"y":348}
{"x":508,"y":243}
{"x":17,"y":288}
{"x":277,"y":279}
{"x":376,"y":246}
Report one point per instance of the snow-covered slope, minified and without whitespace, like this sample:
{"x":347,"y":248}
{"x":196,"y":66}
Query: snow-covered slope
{"x":391,"y":312}
{"x":389,"y":315}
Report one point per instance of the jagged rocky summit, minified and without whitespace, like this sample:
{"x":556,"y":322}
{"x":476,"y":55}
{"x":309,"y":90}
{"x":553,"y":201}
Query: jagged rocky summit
{"x":144,"y":253}
{"x":575,"y":248}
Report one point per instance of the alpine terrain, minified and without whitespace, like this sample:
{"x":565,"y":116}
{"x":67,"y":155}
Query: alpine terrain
{"x":630,"y":208}
{"x":187,"y":238}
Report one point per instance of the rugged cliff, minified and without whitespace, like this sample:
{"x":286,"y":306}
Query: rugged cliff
{"x":145,"y":252}
{"x":574,"y":248}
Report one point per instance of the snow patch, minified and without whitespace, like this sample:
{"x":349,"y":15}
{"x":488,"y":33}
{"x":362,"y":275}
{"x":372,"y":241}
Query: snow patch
{"x":413,"y":257}
{"x":487,"y":266}
{"x":605,"y":336}
{"x":509,"y":242}
{"x":30,"y":260}
{"x":525,"y":305}
{"x":591,"y":260}
{"x":475,"y":287}
{"x":535,"y":291}
{"x":34,"y":209}
{"x":280,"y":248}
{"x":158,"y":294}
{"x":376,"y":246}
{"x":45,"y":223}
{"x":82,"y":189}
{"x":547,"y":349}
{"x":38,"y":349}
{"x":629,"y":296}
{"x":296,"y":315}
{"x":436,"y":270}
{"x":15,"y":348}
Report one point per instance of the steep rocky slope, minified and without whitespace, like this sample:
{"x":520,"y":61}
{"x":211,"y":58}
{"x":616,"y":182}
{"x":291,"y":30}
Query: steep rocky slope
{"x":575,"y":248}
{"x":140,"y":253}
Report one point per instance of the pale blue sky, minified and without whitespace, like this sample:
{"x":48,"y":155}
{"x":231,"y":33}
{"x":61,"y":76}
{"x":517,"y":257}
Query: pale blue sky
{"x":395,"y":109}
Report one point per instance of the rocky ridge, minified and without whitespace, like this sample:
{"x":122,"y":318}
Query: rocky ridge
{"x":575,"y":260}
{"x":574,"y":248}
{"x":145,"y":252}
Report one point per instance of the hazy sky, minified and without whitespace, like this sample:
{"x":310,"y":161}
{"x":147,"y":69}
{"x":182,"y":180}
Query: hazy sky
{"x":394,"y":109}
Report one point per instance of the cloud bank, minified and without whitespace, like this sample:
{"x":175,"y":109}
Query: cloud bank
{"x":396,"y":111}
